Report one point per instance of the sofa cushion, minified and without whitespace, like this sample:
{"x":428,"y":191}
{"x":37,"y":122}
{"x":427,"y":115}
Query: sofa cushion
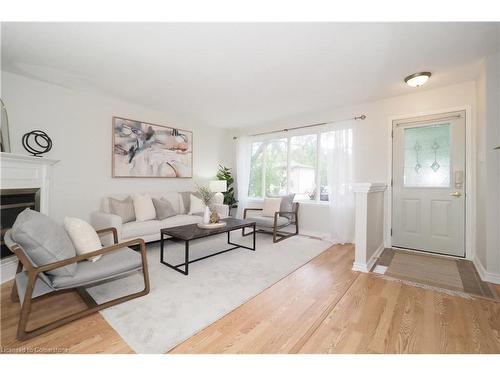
{"x":110,"y":265}
{"x":186,"y":200}
{"x":123,"y":208}
{"x":172,"y":197}
{"x":44,"y":241}
{"x":163,"y":209}
{"x":268,"y":222}
{"x":178,"y":220}
{"x":136,"y":229}
{"x":143,"y":207}
{"x":196,"y":205}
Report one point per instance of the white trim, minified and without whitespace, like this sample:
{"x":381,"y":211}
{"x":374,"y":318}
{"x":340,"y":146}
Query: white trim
{"x":470,"y":185}
{"x":24,"y":171}
{"x":489,"y":277}
{"x":302,"y":202}
{"x":8,"y":268}
{"x":366,"y":267}
{"x":28,"y":158}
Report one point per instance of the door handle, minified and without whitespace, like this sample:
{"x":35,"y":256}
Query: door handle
{"x":456,"y":194}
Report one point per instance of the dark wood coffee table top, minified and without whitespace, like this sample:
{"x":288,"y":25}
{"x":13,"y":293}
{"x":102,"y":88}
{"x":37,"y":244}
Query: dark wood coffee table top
{"x":192,"y":231}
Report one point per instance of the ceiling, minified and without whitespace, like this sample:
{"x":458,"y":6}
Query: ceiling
{"x":245,"y":74}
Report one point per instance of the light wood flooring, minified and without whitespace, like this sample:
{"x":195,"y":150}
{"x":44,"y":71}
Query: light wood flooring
{"x":323,"y":307}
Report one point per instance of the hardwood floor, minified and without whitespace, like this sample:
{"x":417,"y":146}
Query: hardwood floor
{"x":323,"y":307}
{"x":88,"y":335}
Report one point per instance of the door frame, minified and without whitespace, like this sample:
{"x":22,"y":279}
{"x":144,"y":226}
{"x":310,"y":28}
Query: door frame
{"x":470,"y":176}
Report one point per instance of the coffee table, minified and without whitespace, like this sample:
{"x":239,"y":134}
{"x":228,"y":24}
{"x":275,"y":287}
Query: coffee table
{"x":192,"y":232}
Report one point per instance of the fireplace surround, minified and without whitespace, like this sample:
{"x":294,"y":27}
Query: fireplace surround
{"x":25,"y":183}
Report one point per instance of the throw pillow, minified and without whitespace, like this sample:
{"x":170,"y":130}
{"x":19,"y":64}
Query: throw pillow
{"x":83,"y":236}
{"x":124,"y":209}
{"x":196,"y":205}
{"x":271,"y":205}
{"x":163,"y":209}
{"x":186,"y":199}
{"x":43,"y":241}
{"x":144,"y":208}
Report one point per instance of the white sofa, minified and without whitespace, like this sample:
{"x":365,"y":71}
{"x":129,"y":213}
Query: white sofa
{"x":147,"y":230}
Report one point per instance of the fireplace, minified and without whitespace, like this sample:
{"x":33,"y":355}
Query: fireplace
{"x":25,"y":183}
{"x":12,"y":202}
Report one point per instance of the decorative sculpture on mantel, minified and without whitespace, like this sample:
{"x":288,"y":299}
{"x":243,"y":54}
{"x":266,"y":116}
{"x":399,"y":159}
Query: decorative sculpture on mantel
{"x":37,"y":142}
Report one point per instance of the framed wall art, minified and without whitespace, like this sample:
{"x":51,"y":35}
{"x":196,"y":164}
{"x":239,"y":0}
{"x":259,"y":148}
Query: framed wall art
{"x":141,"y":149}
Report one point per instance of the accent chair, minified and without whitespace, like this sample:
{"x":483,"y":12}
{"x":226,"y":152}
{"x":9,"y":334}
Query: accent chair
{"x":39,"y":275}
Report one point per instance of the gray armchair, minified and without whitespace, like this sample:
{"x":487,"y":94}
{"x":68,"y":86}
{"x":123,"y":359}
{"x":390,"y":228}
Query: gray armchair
{"x":275,"y":225}
{"x":40,"y":280}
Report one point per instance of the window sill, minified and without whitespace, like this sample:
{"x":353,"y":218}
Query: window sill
{"x":311,"y":203}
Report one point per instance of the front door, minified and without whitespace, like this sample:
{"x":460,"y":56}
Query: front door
{"x":428,"y":204}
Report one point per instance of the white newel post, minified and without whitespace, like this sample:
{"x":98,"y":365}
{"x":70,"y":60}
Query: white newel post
{"x":369,"y":224}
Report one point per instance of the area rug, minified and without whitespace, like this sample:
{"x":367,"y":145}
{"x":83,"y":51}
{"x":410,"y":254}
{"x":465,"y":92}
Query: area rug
{"x":179,"y":306}
{"x":447,"y":274}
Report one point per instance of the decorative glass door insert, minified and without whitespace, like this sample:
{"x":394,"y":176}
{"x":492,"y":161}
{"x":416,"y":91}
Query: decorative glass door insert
{"x":427,"y":156}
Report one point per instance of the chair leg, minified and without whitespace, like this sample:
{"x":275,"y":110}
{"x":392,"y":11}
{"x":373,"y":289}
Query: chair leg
{"x":13,"y":294}
{"x":23,"y":335}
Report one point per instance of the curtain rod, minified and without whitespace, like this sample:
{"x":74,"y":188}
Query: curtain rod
{"x":361,"y":117}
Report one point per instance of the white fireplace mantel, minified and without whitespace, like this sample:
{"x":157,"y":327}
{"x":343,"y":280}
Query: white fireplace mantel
{"x":21,"y":172}
{"x":25,"y":171}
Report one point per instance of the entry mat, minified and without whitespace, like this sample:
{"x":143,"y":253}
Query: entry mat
{"x":448,"y":274}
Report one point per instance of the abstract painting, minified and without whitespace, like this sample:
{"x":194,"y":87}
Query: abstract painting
{"x":141,"y":149}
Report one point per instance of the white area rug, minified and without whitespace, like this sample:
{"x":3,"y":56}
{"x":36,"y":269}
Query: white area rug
{"x":179,"y":306}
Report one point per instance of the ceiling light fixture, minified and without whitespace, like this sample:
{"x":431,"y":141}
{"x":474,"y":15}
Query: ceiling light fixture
{"x":417,"y":79}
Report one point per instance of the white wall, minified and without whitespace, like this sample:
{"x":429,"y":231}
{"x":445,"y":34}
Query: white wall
{"x":488,"y":165}
{"x":79,"y":124}
{"x":372,"y":136}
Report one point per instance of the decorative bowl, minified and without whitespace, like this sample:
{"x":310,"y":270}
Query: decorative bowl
{"x":221,"y":224}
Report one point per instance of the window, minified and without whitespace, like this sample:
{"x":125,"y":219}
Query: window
{"x":296,"y":164}
{"x":427,"y":156}
{"x":268,"y":168}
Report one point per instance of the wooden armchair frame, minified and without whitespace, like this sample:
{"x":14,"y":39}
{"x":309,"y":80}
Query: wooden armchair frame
{"x":92,"y":305}
{"x":278,"y":235}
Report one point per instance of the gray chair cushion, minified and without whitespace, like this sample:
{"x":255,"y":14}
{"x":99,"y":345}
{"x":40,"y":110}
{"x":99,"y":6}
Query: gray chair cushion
{"x":287,"y":204}
{"x":43,"y":241}
{"x":163,"y":209}
{"x":9,"y":242}
{"x":111,"y":265}
{"x":124,"y":209}
{"x":268,"y":222}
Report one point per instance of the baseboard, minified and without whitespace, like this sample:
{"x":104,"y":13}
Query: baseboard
{"x":314,"y":234}
{"x":489,"y":277}
{"x":8,"y":268}
{"x":366,"y":267}
{"x":360,"y":267}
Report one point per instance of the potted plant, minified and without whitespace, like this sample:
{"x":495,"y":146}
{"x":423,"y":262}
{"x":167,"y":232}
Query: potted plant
{"x":224,"y":173}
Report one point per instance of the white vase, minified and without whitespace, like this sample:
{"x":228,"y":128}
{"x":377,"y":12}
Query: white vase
{"x":206,"y":216}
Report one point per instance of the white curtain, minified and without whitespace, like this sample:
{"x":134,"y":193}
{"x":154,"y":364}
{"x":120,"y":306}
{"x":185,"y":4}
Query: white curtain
{"x":339,"y":143}
{"x":243,"y":157}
